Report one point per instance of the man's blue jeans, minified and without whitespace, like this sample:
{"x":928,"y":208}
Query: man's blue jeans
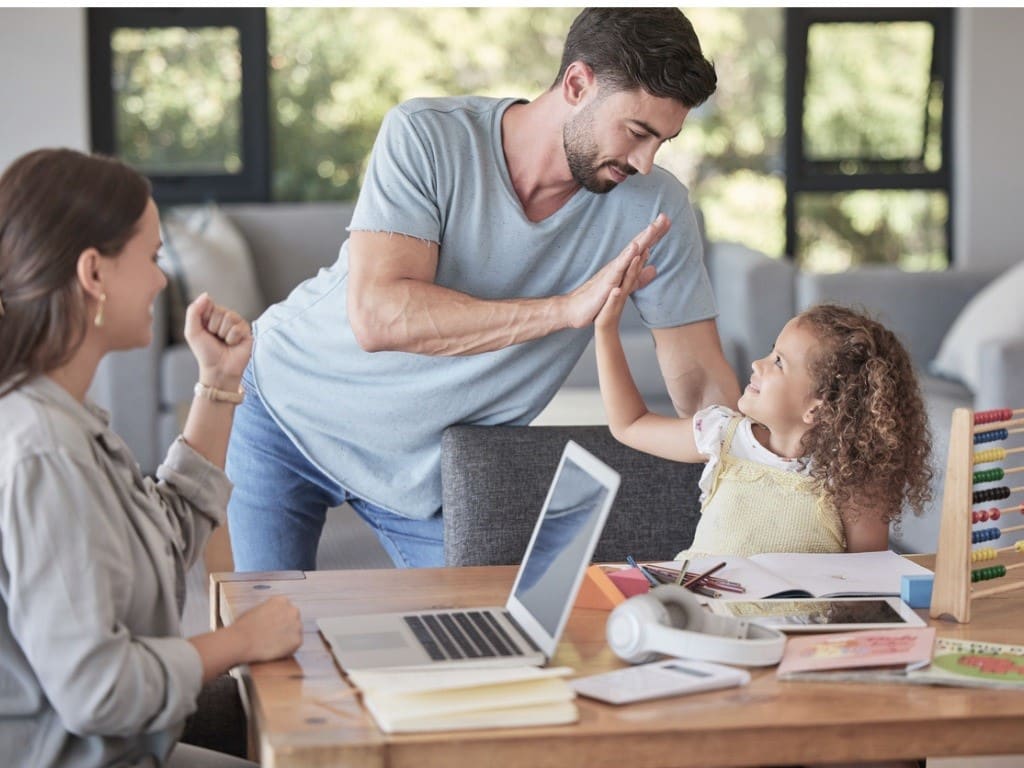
{"x":280,"y":501}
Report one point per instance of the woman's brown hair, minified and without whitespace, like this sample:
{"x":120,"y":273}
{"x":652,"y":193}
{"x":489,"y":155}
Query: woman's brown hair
{"x":869,"y":447}
{"x":55,"y":204}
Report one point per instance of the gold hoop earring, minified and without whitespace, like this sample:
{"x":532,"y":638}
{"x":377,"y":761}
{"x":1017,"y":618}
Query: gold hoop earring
{"x":98,"y":320}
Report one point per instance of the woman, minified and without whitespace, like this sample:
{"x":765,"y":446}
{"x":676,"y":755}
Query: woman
{"x":93,"y":670}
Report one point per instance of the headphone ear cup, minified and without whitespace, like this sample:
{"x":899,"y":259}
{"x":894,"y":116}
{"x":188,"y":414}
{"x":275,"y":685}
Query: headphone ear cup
{"x":681,"y":606}
{"x":626,"y":627}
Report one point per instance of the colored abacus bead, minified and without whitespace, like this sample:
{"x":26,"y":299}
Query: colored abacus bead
{"x":994,"y":513}
{"x":991,"y":572}
{"x":989,"y":454}
{"x":991,"y":436}
{"x":990,"y":494}
{"x":989,"y":475}
{"x":985,"y":534}
{"x":987,"y":417}
{"x":986,"y":553}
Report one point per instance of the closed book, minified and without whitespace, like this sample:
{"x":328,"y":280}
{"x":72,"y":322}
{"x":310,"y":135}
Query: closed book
{"x":433,"y":700}
{"x":973,"y":664}
{"x":869,"y":654}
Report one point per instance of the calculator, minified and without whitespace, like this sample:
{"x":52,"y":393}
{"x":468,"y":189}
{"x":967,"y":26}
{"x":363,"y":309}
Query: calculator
{"x":658,"y":680}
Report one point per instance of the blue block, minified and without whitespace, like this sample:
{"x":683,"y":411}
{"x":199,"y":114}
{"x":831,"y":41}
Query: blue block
{"x":916,"y":591}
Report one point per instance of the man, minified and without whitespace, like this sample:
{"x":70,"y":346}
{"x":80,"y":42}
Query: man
{"x":477,"y":260}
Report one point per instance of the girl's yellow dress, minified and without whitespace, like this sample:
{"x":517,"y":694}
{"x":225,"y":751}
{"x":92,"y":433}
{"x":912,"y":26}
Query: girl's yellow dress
{"x":752,"y":508}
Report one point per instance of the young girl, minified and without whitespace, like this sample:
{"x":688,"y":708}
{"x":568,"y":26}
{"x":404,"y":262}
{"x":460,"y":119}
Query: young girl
{"x":830,"y":440}
{"x":93,"y":555}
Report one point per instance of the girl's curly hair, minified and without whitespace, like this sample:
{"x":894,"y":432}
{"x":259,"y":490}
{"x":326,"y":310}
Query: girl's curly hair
{"x":869,"y":446}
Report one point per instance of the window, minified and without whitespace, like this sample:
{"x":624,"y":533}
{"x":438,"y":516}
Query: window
{"x":181,"y":95}
{"x":828,"y":137}
{"x":868,"y":137}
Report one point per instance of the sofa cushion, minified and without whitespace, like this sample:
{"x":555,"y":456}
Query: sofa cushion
{"x":494,"y":481}
{"x":995,"y":312}
{"x":204,"y":251}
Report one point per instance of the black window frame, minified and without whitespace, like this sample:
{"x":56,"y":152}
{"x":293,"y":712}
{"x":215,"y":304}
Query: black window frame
{"x":804,"y":175}
{"x":252,"y":184}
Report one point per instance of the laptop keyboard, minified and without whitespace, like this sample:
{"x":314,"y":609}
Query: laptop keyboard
{"x":464,"y":635}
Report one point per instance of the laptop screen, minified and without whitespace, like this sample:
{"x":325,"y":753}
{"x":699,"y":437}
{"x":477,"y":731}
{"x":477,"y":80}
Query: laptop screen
{"x":562,"y":544}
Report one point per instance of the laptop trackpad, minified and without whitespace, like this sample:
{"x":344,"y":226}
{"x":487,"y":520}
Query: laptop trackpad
{"x":370,"y":641}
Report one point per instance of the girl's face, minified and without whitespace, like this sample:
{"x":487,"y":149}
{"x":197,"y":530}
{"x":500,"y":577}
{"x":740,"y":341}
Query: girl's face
{"x":779,"y":394}
{"x":131,"y":282}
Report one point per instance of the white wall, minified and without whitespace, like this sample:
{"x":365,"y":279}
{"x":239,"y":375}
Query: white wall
{"x":988,"y":182}
{"x":44,"y":98}
{"x":43,"y":80}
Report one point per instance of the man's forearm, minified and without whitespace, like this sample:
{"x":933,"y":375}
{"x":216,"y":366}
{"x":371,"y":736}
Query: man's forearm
{"x":417,"y":316}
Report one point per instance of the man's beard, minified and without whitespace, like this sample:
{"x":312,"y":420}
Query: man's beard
{"x":581,"y":152}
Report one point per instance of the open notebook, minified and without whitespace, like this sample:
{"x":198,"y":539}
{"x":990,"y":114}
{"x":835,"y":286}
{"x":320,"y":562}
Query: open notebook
{"x":527,"y":629}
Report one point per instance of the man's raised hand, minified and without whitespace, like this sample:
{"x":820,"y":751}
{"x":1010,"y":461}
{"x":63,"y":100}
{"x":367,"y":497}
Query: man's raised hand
{"x":586,"y":301}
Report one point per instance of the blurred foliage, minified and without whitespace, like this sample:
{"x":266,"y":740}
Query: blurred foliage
{"x":854,"y":107}
{"x":904,"y":228}
{"x":334,"y":72}
{"x":178,"y":106}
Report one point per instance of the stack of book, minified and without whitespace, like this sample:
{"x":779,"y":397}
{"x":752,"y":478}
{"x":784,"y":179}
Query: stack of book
{"x":450,"y":699}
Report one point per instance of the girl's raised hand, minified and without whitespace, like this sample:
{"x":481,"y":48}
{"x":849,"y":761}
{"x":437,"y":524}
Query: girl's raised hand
{"x":610,"y":314}
{"x":221,"y":341}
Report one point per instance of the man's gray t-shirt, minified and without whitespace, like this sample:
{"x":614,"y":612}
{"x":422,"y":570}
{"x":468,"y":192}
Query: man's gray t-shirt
{"x":373,"y":421}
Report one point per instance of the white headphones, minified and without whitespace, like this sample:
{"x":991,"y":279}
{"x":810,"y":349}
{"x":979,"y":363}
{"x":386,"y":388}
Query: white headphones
{"x":669,"y":620}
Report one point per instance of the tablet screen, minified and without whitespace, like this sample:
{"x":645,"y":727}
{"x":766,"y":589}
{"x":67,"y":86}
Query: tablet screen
{"x":822,"y":615}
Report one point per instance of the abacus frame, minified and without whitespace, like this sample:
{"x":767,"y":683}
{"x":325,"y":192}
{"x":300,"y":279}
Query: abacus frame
{"x":951,"y":591}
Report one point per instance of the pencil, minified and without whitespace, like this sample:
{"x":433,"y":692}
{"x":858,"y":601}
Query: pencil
{"x":698,"y":579}
{"x":646,"y":574}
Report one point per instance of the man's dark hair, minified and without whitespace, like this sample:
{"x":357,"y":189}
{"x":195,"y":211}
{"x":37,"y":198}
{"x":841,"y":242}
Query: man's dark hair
{"x":654,"y":49}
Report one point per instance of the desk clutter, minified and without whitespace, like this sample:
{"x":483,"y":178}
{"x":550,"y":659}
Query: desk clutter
{"x":912,"y":656}
{"x":769,"y":575}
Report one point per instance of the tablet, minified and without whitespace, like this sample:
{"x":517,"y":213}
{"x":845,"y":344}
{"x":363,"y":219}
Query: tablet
{"x":822,"y":615}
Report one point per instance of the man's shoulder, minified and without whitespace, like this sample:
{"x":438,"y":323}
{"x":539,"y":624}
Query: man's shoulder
{"x":435,"y":107}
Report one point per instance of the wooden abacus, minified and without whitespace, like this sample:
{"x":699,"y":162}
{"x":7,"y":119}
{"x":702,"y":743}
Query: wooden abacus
{"x":952,"y":591}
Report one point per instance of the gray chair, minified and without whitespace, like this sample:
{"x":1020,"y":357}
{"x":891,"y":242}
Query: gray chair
{"x":494,"y":480}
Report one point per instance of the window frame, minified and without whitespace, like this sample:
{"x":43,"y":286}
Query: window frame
{"x":806,"y":175}
{"x":252,"y":184}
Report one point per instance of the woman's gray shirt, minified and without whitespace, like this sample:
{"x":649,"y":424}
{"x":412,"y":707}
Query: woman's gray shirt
{"x":93,"y":668}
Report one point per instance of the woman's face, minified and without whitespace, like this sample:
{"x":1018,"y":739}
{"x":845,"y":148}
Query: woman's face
{"x":131,"y":282}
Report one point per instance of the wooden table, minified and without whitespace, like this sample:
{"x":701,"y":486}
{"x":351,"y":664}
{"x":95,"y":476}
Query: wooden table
{"x":305,"y":714}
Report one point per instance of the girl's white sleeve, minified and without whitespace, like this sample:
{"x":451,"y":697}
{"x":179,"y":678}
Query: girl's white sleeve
{"x":709,"y":427}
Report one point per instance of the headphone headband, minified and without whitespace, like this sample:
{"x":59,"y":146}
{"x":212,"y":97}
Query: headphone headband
{"x":670,"y":620}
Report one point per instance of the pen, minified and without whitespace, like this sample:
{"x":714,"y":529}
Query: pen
{"x":650,"y":579}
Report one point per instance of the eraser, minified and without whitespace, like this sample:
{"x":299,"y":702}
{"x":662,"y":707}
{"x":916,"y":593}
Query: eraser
{"x":630,"y":581}
{"x":916,"y":591}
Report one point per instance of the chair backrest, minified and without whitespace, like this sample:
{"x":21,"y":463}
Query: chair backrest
{"x":494,"y":481}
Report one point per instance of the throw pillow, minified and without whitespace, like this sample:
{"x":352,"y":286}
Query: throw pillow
{"x":995,"y":312}
{"x":204,"y":251}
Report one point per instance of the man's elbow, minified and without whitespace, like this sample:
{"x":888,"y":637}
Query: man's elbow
{"x":369,"y":332}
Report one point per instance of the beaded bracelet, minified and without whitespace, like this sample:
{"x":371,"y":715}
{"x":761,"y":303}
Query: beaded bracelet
{"x":219,"y":395}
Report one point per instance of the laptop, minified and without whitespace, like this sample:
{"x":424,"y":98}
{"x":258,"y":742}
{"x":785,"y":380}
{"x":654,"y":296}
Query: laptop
{"x":527,"y":629}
